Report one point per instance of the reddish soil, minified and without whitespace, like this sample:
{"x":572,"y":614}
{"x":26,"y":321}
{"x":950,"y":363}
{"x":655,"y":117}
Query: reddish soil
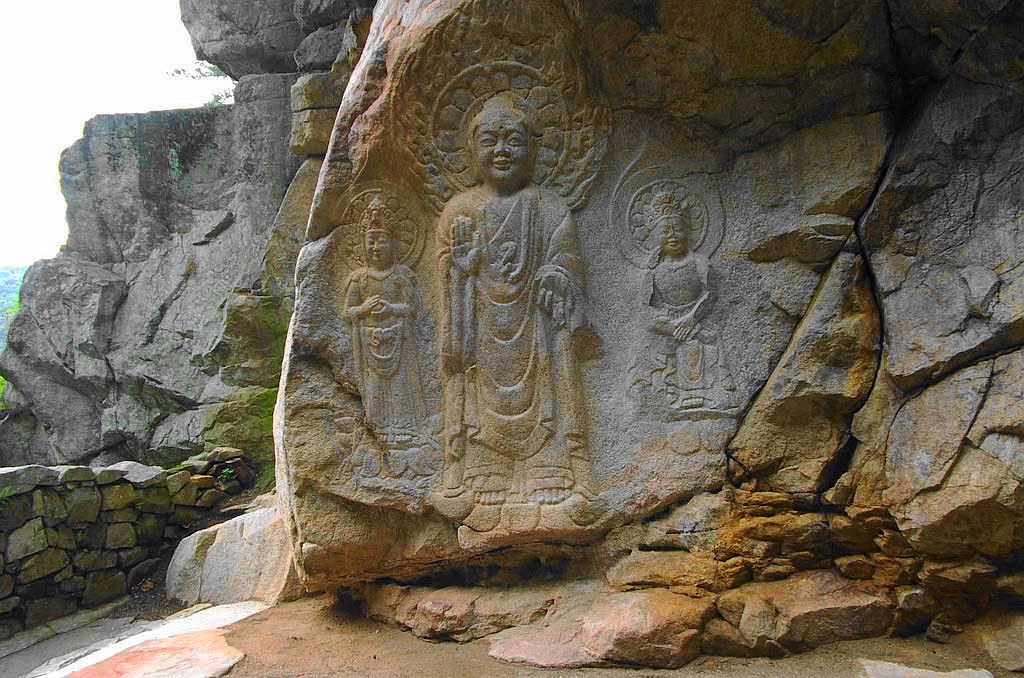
{"x":312,"y":638}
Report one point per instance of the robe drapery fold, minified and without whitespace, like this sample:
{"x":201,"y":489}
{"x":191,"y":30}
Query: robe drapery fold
{"x":385,"y":352}
{"x":510,"y":383}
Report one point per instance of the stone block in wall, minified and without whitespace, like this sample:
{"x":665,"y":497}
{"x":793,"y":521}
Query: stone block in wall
{"x":311,"y":131}
{"x":130,"y":557}
{"x":83,"y":505}
{"x":90,"y":561}
{"x":203,"y":481}
{"x":8,"y":604}
{"x":150,"y":528}
{"x":141,"y":475}
{"x":105,"y":476}
{"x":118,"y":496}
{"x":318,"y":90}
{"x":61,"y":537}
{"x":6,"y":585}
{"x":120,"y":536}
{"x":186,"y":496}
{"x":47,"y":504}
{"x":43,"y":610}
{"x":74,"y":474}
{"x":17,"y":510}
{"x":103,"y":586}
{"x":155,"y":500}
{"x":41,"y":564}
{"x":24,"y":478}
{"x":92,"y":537}
{"x":125,"y":515}
{"x":177,"y":481}
{"x":28,"y":539}
{"x":225,"y":453}
{"x":75,"y":584}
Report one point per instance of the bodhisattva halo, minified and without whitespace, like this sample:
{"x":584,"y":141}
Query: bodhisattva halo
{"x":693,"y":198}
{"x":402,"y":228}
{"x":466,"y":94}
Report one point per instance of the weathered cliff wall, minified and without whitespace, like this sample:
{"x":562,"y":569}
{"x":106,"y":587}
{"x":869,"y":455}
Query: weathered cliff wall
{"x":658,"y":327}
{"x":155,"y":311}
{"x":690,"y":297}
{"x":159,"y":328}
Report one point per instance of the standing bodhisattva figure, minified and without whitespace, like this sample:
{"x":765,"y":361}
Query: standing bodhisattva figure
{"x":515,"y":448}
{"x":382,"y":300}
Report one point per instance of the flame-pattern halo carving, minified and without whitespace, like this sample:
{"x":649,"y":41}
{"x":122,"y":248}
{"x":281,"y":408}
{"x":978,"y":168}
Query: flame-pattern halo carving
{"x":404,"y":229}
{"x":652,"y":194}
{"x":466,"y":94}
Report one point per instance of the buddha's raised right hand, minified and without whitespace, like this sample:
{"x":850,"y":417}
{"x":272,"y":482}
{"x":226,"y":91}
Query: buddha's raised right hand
{"x":465,"y":245}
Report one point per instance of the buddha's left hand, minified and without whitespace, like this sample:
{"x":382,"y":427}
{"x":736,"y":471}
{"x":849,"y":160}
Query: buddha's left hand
{"x":556,"y":296}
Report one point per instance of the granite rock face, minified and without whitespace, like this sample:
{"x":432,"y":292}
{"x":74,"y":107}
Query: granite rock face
{"x":730,"y":314}
{"x":156,"y":330}
{"x":159,"y":330}
{"x":622,"y":331}
{"x":244,"y":38}
{"x":563,"y":335}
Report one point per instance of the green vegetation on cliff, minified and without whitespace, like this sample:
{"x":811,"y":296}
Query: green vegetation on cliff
{"x":10,"y":285}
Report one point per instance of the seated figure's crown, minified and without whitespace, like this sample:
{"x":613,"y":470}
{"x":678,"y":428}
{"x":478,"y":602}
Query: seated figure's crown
{"x":666,"y":204}
{"x":378,"y":217}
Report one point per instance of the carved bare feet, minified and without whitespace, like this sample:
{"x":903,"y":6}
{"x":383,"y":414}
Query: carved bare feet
{"x":549,"y":485}
{"x":483,"y":517}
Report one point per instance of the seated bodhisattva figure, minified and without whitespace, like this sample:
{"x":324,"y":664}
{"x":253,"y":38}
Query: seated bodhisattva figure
{"x":382,"y":300}
{"x":515,"y":445}
{"x":680,"y":361}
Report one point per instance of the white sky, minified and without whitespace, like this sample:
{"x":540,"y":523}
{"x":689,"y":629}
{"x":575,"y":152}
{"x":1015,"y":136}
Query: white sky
{"x":68,"y":60}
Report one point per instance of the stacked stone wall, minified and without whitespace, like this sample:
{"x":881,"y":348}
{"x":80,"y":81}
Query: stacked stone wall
{"x":75,"y":537}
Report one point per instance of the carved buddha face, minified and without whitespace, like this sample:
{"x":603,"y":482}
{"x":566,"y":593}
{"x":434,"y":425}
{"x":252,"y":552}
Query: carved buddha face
{"x":379,"y":248}
{"x":676,"y":236}
{"x":502,"y":145}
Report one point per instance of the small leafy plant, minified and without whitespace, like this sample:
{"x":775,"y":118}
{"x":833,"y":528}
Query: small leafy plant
{"x":227,"y":475}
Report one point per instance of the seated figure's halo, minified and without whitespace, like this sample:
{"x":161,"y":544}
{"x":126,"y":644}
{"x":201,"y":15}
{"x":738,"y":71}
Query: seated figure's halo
{"x":666,"y":199}
{"x":384,"y":204}
{"x":463,"y":97}
{"x":643,"y":202}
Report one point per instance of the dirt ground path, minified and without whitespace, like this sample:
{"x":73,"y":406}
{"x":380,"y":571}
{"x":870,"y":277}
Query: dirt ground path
{"x":309,"y":638}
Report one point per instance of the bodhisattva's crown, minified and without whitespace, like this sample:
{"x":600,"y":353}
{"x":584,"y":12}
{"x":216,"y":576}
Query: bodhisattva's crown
{"x":378,"y":217}
{"x":688,"y":209}
{"x":666,"y":205}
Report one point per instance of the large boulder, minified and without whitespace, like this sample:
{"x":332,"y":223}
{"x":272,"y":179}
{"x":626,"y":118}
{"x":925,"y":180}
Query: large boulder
{"x":458,"y":436}
{"x":800,"y":613}
{"x":245,"y":558}
{"x":244,"y":38}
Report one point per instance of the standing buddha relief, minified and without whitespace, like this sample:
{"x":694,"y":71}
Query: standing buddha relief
{"x":516,"y":453}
